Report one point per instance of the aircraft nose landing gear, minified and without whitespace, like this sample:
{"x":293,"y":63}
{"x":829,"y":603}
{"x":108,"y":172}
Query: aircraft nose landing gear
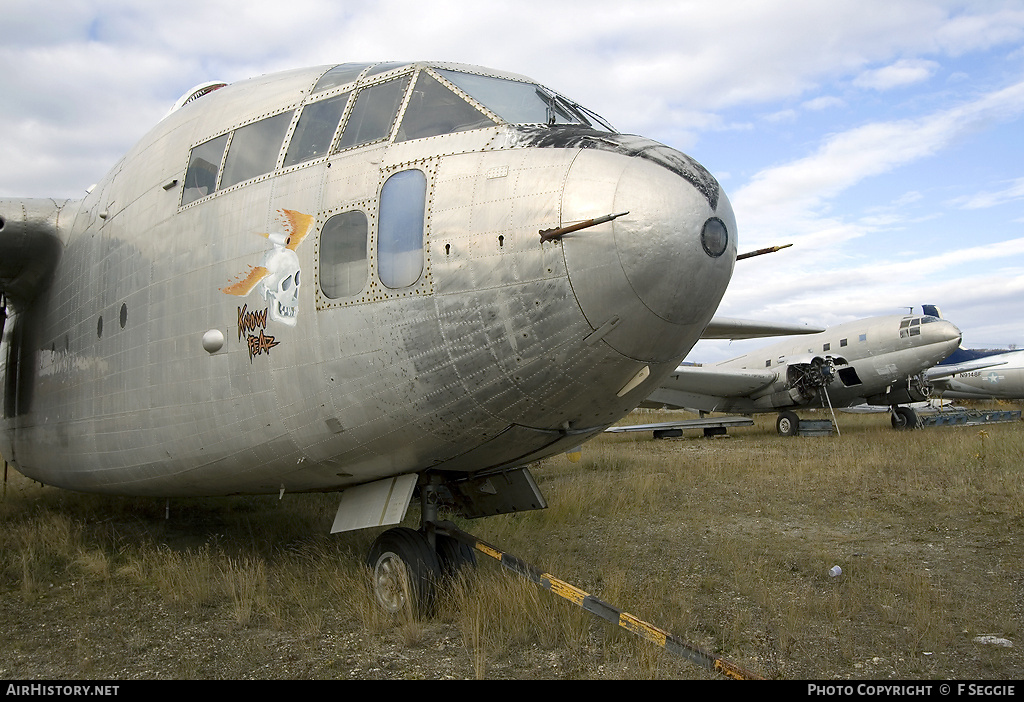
{"x":407,"y":565}
{"x":405,"y":571}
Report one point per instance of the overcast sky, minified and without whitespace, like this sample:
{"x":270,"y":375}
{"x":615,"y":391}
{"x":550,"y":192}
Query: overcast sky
{"x":884,"y":140}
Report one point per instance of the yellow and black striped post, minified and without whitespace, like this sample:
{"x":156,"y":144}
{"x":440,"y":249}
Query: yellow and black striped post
{"x":669,"y":642}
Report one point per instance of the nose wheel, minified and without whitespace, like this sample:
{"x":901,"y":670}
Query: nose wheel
{"x":408,"y":565}
{"x":405,"y":571}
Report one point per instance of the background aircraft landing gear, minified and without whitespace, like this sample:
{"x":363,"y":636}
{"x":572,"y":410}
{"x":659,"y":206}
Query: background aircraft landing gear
{"x":904,"y":418}
{"x":788,"y":423}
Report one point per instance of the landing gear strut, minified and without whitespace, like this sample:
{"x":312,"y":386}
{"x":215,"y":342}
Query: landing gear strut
{"x":408,"y":564}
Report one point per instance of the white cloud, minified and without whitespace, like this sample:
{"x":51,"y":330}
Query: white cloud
{"x":991,"y":199}
{"x":823,"y":103}
{"x":902,"y":73}
{"x":798,"y":191}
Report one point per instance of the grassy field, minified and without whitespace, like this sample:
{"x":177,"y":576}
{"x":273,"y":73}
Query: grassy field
{"x":725,"y":542}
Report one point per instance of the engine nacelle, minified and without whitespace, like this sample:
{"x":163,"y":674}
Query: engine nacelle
{"x":804,"y":381}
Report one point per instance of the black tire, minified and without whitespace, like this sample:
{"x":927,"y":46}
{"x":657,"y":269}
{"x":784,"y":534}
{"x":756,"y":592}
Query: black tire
{"x":453,"y":556}
{"x":788,"y":424}
{"x":904,"y":418}
{"x":405,"y":571}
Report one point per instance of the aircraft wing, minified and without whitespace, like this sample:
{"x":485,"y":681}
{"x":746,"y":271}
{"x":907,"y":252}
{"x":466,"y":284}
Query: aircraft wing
{"x":731,"y":328}
{"x":707,"y":388}
{"x":702,"y":423}
{"x":940,"y":372}
{"x":707,"y":380}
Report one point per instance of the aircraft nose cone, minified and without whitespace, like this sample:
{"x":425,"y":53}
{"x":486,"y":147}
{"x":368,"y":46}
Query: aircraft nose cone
{"x":946,"y":332}
{"x":656,"y":275}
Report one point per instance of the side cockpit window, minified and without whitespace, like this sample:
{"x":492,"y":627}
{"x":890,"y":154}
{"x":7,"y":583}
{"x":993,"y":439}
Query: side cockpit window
{"x":374,"y":113}
{"x":343,"y":255}
{"x":315,"y":130}
{"x":254,"y":148}
{"x":203,"y":166}
{"x":252,"y":151}
{"x":434,"y":110}
{"x":910,"y":327}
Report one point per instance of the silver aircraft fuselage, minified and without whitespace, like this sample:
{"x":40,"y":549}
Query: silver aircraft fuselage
{"x":1004,"y":381}
{"x":877,"y":360}
{"x":324,"y":277}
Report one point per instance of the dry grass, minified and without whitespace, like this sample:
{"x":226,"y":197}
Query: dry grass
{"x":725,"y":542}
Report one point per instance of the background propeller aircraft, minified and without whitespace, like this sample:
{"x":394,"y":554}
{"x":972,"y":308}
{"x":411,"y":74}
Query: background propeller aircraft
{"x":368,"y":278}
{"x":878,"y":360}
{"x":999,"y":377}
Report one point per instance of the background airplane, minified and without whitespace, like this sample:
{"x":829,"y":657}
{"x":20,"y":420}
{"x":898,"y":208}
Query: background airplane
{"x":879,"y":361}
{"x":369,"y":278}
{"x":1002,"y":378}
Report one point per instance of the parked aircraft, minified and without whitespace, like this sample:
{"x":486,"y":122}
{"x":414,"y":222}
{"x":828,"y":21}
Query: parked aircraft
{"x":879,"y":360}
{"x":368,"y":278}
{"x":1001,"y":379}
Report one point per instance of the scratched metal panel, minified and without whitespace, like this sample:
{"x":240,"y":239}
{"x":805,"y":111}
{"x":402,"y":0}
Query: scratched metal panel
{"x":624,"y":268}
{"x":486,"y":226}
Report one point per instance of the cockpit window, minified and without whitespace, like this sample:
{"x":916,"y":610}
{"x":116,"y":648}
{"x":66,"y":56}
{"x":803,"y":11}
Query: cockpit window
{"x":374,"y":112}
{"x":912,"y":327}
{"x":383,"y":68}
{"x":523,"y":103}
{"x":203,"y":166}
{"x":434,"y":109}
{"x":339,"y":75}
{"x":315,"y":130}
{"x":254,"y":149}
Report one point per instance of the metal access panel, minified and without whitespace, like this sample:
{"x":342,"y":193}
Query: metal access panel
{"x":498,"y":493}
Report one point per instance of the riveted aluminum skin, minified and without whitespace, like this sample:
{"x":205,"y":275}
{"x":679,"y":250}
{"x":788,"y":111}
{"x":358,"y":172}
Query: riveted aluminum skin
{"x":504,"y":349}
{"x":642,"y":267}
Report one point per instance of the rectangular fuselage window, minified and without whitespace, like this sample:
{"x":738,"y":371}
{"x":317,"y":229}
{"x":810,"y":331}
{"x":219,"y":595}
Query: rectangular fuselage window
{"x":400,"y":229}
{"x":343,"y":255}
